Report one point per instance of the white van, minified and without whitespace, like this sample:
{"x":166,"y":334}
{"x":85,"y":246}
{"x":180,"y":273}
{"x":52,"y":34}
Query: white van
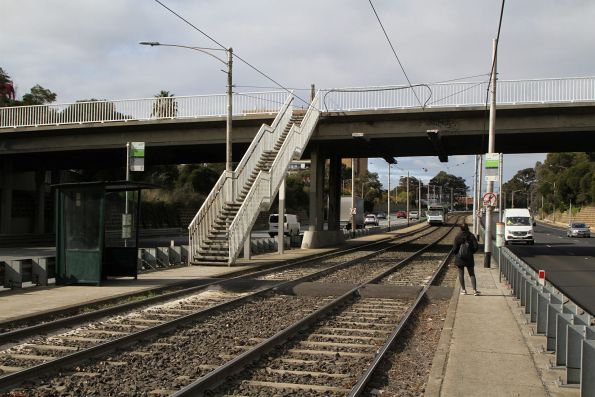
{"x":518,"y":226}
{"x":291,"y":225}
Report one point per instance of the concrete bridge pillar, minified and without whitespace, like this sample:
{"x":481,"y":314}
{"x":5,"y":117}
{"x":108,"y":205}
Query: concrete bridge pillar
{"x":39,"y":202}
{"x":6,"y":197}
{"x":316,"y":189}
{"x":334,"y":202}
{"x":316,"y":236}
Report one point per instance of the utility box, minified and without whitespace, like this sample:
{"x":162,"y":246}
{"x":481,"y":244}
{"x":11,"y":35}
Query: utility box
{"x":97,"y":230}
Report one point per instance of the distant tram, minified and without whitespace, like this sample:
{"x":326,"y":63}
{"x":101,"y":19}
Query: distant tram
{"x":436,"y":215}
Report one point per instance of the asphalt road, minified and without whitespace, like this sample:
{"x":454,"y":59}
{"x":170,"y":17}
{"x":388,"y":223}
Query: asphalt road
{"x":569,"y":263}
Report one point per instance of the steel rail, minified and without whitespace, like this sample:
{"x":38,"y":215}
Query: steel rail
{"x":219,"y":375}
{"x":81,"y":355}
{"x":11,"y":336}
{"x":362,"y":382}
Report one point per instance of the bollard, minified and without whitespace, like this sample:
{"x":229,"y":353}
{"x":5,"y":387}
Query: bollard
{"x":45,"y":270}
{"x":175,"y":255}
{"x":574,"y":337}
{"x":543,"y":299}
{"x":184,"y":258}
{"x":588,"y":368}
{"x":562,"y":322}
{"x":162,"y":256}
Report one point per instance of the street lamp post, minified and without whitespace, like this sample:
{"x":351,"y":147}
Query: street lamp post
{"x":228,"y":63}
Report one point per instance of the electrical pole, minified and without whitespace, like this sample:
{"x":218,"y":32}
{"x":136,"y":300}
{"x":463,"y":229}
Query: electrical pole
{"x":475,"y":194}
{"x":353,"y":209}
{"x":451,"y":199}
{"x":491,"y":149}
{"x":500,"y":170}
{"x":419,"y":201}
{"x":407,"y":210}
{"x":388,"y":199}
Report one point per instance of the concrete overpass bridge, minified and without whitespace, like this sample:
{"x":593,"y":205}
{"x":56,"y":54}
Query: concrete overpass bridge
{"x":533,"y":116}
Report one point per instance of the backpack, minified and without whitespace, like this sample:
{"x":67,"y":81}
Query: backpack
{"x":468,"y":247}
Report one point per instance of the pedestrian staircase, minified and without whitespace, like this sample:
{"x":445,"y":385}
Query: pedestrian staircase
{"x":219,"y":229}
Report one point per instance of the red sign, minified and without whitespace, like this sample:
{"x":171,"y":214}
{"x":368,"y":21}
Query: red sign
{"x":542,"y":277}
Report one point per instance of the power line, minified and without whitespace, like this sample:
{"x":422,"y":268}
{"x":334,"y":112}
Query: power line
{"x":395,"y":52}
{"x":492,"y":72}
{"x":234,"y":54}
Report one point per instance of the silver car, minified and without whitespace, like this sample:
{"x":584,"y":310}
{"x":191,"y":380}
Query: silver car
{"x":578,"y":230}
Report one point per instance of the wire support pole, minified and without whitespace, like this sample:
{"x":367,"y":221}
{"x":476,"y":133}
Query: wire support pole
{"x":491,"y":149}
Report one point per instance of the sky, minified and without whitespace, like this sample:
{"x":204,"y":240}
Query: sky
{"x":89,"y":49}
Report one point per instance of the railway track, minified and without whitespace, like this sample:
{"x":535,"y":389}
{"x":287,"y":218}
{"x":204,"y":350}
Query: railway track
{"x":70,"y":317}
{"x":73,"y":346}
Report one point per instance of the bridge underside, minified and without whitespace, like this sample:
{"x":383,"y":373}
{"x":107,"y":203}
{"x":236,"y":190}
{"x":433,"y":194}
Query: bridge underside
{"x":398,"y":132}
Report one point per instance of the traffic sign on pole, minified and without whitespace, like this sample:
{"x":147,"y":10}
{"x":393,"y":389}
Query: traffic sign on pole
{"x":489,"y":199}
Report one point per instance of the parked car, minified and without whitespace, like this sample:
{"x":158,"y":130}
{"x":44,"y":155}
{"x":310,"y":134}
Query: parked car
{"x":577,"y":229}
{"x":381,"y":215}
{"x":413,"y":214}
{"x":402,"y":214}
{"x":371,"y":220}
{"x":291,"y":226}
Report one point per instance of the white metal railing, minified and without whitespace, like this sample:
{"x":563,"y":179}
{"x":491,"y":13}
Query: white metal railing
{"x":179,"y":107}
{"x":229,"y":185}
{"x":460,"y":94}
{"x":258,"y":195}
{"x":266,"y":185}
{"x":556,"y":90}
{"x":206,"y":215}
{"x":265,"y":140}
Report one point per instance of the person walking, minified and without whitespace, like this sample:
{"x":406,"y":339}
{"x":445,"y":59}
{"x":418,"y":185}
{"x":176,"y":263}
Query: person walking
{"x":465,"y":245}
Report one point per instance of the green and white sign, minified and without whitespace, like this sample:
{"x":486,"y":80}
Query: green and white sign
{"x":137,"y":156}
{"x":492,"y":166}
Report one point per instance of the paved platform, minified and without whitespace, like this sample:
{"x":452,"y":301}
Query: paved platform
{"x":17,"y":304}
{"x":486,"y":348}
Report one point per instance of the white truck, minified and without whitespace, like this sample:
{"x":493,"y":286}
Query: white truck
{"x":518,"y":226}
{"x":345,"y":220}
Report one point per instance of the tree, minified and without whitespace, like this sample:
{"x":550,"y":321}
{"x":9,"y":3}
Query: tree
{"x":449,"y":183}
{"x":522,"y":184}
{"x":164,"y":105}
{"x":38,"y":96}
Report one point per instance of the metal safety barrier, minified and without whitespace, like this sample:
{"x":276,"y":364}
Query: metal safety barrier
{"x":450,"y":94}
{"x":568,"y":329}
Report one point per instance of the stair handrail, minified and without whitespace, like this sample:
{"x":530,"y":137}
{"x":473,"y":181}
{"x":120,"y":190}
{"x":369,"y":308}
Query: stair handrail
{"x":206,"y":215}
{"x":266,"y":184}
{"x":264,"y":140}
{"x":247,"y":214}
{"x":294,"y":144}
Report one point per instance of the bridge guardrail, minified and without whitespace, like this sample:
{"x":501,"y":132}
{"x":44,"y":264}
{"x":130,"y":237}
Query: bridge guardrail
{"x":124,"y":110}
{"x":567,"y":327}
{"x":452,"y":94}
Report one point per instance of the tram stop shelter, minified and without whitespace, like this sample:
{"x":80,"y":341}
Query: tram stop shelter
{"x":97,"y":230}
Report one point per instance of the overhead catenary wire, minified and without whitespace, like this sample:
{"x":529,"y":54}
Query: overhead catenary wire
{"x":394,"y":52}
{"x":492,"y":69}
{"x":234,"y":54}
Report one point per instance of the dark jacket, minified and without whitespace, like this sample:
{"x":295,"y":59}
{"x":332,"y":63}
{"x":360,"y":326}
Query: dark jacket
{"x":461,"y":237}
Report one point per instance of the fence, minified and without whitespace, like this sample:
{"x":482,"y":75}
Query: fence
{"x":454,"y":94}
{"x":567,"y":328}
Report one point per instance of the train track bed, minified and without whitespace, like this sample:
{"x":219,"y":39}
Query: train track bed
{"x":309,"y":268}
{"x":405,"y":369}
{"x":160,"y":366}
{"x":125,"y":303}
{"x":329,"y":356}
